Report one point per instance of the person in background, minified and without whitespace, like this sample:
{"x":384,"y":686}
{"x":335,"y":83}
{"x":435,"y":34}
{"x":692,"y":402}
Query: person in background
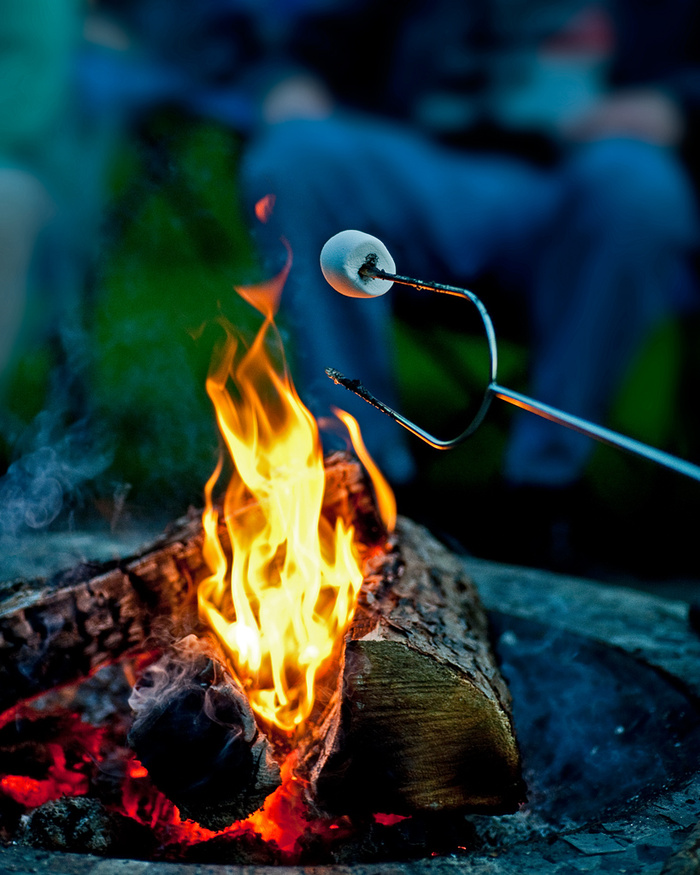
{"x":547,"y":145}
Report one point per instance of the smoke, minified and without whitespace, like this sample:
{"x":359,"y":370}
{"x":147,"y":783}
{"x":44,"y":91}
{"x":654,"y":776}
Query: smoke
{"x":190,"y":672}
{"x":52,"y":474}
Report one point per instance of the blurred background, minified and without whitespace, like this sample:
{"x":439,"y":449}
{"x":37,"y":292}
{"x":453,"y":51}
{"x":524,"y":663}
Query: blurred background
{"x":126,"y":224}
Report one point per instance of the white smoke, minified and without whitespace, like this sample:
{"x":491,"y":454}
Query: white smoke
{"x":49,"y":474}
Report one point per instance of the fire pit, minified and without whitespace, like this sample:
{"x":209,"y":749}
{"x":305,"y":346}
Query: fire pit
{"x":315,"y":684}
{"x":605,"y":683}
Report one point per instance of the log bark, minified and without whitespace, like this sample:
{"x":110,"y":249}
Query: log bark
{"x":421,"y":718}
{"x":58,"y":630}
{"x":195,"y":733}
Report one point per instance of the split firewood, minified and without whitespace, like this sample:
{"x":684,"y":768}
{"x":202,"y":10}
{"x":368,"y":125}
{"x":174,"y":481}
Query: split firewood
{"x":59,"y":630}
{"x":421,"y":718}
{"x":195,"y":733}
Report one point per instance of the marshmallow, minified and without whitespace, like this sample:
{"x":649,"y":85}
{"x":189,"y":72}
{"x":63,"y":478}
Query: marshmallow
{"x":343,"y":256}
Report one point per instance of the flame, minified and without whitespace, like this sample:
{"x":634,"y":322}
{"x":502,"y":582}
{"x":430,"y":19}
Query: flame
{"x":265,"y":207}
{"x":282,"y":602}
{"x":386,"y":501}
{"x":285,"y":819}
{"x":265,"y":296}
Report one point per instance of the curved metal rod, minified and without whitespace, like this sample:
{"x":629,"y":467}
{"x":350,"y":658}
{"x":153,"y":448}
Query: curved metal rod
{"x":357,"y":387}
{"x":493,"y":389}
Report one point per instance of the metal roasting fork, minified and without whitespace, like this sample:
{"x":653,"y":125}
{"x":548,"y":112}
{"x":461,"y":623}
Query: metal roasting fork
{"x":495,"y":390}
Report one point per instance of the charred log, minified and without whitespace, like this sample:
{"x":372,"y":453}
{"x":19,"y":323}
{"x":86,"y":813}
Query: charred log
{"x":195,"y":733}
{"x":421,"y":720}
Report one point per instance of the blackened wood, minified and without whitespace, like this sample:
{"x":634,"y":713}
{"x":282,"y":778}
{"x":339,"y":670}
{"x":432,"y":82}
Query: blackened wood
{"x":421,"y":721}
{"x":195,"y":733}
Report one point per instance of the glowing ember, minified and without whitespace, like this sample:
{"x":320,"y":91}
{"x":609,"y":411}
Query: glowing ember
{"x":60,"y":755}
{"x":281,"y":603}
{"x":64,"y":749}
{"x":283,"y":821}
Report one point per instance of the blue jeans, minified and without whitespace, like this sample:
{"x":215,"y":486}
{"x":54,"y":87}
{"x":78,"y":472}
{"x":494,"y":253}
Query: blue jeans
{"x":598,"y":246}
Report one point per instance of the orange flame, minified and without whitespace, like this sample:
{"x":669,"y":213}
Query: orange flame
{"x":386,"y":501}
{"x":264,"y":207}
{"x":282,"y":602}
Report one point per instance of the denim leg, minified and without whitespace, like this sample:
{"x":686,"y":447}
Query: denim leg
{"x":612,"y":268}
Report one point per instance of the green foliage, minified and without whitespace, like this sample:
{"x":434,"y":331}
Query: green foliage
{"x":646,"y":408}
{"x":443,"y":375}
{"x":179,"y":247}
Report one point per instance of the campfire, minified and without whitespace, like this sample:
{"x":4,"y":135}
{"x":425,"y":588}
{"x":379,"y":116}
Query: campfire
{"x":293,"y":675}
{"x":289,"y":675}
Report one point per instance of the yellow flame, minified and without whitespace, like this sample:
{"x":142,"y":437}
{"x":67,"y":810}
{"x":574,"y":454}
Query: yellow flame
{"x":282,"y":596}
{"x":386,"y":501}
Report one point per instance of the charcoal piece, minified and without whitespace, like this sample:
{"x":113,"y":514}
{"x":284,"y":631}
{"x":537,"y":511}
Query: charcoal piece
{"x":78,"y":824}
{"x":242,"y":850}
{"x":196,"y":735}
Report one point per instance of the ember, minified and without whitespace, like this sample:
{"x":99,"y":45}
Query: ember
{"x":51,"y":753}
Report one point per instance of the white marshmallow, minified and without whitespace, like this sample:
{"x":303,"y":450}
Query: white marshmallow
{"x":343,"y":256}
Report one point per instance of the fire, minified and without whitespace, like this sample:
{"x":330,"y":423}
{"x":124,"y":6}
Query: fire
{"x":282,"y":601}
{"x":281,"y":592}
{"x":386,"y":500}
{"x":283,"y":821}
{"x":63,"y":748}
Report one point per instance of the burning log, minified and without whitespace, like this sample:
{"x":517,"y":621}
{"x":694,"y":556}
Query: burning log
{"x":59,"y":630}
{"x":195,"y":733}
{"x":421,"y":719}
